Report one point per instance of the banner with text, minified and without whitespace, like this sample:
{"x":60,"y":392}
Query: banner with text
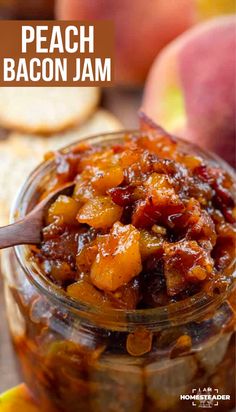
{"x":56,"y":53}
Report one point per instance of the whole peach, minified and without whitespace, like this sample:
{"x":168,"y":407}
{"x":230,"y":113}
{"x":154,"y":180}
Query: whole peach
{"x":142,"y":27}
{"x":191,"y":87}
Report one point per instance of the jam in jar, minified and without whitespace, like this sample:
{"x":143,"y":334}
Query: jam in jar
{"x":128,"y":303}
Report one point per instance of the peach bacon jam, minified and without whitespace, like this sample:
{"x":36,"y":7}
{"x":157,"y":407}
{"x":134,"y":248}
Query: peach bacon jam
{"x":148,"y":223}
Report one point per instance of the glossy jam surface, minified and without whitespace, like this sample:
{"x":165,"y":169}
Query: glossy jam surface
{"x":148,"y":223}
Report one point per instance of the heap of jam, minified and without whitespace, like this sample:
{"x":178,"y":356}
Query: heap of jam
{"x":147,"y":224}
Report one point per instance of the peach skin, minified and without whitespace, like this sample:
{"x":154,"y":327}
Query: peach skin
{"x":190,"y":89}
{"x":142,"y":27}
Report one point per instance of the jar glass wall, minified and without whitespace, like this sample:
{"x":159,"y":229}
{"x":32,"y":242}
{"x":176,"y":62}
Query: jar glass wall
{"x":77,"y":358}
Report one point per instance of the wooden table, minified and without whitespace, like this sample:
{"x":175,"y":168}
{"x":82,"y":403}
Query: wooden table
{"x":124,"y":104}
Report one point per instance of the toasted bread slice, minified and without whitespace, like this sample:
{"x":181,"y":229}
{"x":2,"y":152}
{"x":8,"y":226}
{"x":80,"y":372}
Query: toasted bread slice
{"x":46,"y":110}
{"x":20,"y":154}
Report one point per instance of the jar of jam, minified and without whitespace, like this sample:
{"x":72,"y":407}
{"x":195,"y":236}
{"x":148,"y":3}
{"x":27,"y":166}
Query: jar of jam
{"x":128,"y":303}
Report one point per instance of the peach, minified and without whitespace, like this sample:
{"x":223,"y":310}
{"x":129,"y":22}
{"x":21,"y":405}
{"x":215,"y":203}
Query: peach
{"x":190,"y":89}
{"x":118,"y":259}
{"x":99,"y":212}
{"x":142,"y":28}
{"x":85,"y":292}
{"x":64,"y":208}
{"x":149,"y":244}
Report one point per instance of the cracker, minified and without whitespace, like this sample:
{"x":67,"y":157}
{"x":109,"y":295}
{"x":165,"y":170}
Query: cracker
{"x":46,"y":109}
{"x":20,"y":154}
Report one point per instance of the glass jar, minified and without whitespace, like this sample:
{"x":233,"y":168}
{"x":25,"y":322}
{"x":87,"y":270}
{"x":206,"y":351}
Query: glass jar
{"x":76,"y":357}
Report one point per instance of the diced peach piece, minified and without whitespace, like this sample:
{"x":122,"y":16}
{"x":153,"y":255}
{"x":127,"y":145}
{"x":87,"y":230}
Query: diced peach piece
{"x":118,"y":259}
{"x":85,"y":292}
{"x":105,"y":179}
{"x":83,"y":189}
{"x":191,"y":161}
{"x":99,"y":212}
{"x":64,"y":208}
{"x":129,"y":157}
{"x":158,"y":185}
{"x":149,"y":244}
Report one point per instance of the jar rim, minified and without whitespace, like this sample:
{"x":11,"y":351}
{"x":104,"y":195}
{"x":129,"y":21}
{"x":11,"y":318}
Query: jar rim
{"x":189,"y":308}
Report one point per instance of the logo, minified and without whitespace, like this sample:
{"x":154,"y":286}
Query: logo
{"x":205,"y":397}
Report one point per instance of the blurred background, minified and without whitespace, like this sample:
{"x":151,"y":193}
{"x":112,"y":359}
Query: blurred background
{"x":174,"y":59}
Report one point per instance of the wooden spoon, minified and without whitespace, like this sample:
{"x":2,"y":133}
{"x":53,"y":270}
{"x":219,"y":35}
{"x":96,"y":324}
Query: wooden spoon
{"x":28,"y":231}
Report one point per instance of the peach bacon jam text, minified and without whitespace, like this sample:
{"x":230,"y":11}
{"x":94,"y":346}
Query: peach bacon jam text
{"x":148,"y":223}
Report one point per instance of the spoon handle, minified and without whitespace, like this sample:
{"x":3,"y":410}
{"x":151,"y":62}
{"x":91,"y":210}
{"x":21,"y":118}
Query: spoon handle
{"x":28,"y":230}
{"x":19,"y":233}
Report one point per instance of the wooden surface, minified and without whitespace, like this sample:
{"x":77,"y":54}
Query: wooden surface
{"x":124,"y":104}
